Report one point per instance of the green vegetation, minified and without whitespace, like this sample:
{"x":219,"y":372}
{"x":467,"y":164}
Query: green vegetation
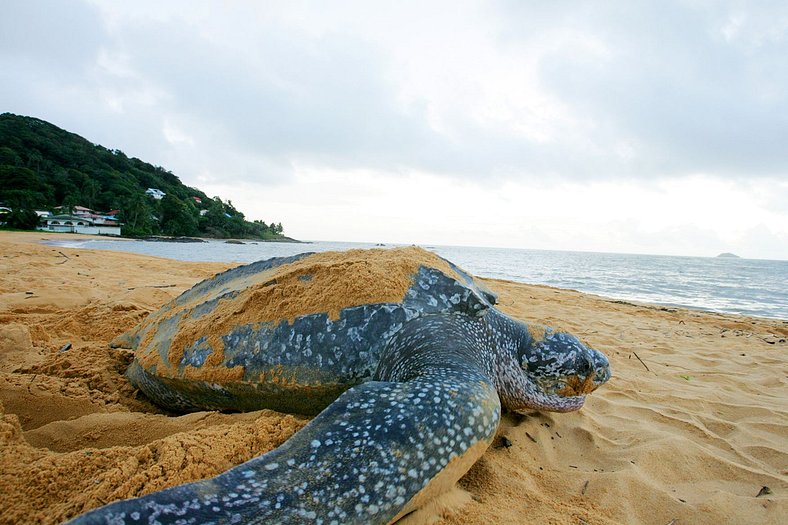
{"x":43,"y":167}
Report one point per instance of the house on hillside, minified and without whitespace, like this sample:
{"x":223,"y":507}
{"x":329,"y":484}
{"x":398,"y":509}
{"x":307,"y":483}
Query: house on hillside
{"x":155,"y":193}
{"x":65,"y":223}
{"x":79,"y":211}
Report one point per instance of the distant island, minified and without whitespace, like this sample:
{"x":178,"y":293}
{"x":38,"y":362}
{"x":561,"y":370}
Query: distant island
{"x":48,"y":172}
{"x":729,"y":255}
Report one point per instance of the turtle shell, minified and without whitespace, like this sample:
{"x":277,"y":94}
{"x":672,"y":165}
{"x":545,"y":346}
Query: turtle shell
{"x":291,"y":333}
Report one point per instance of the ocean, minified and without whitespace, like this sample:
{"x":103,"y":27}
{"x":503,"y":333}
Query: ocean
{"x":728,"y":285}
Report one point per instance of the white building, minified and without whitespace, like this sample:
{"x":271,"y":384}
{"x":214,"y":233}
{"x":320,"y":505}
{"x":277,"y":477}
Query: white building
{"x":155,"y":193}
{"x":76,"y":224}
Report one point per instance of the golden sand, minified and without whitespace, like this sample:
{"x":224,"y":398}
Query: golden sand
{"x":692,"y":439}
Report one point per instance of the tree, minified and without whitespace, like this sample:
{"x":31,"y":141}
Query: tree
{"x":8,"y":157}
{"x":22,"y":219}
{"x":69,"y":203}
{"x":90,"y":192}
{"x":14,"y":179}
{"x":136,"y":216}
{"x":177,"y":217}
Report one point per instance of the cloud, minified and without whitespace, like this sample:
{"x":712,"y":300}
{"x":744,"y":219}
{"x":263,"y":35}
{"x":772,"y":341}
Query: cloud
{"x":521,"y":90}
{"x":54,"y":34}
{"x":688,"y":92}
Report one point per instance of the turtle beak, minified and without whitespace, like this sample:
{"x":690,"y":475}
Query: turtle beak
{"x":600,"y":368}
{"x":593,"y":370}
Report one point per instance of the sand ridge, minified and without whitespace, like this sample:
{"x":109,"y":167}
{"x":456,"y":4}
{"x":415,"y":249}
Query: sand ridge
{"x":693,"y":438}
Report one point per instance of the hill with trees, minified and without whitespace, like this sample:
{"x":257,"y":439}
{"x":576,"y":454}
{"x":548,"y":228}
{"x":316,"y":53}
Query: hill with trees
{"x":44,"y":167}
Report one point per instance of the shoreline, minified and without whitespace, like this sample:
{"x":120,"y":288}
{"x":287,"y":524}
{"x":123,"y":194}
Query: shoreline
{"x":690,"y":428}
{"x":158,"y":238}
{"x":620,"y":300}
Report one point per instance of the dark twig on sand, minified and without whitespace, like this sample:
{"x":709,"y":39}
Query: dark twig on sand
{"x":641,"y":361}
{"x":154,"y":286}
{"x":585,"y":487}
{"x":64,"y":255}
{"x":530,"y":437}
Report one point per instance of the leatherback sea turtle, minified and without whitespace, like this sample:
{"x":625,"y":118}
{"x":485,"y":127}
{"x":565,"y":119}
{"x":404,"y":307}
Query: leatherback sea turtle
{"x":401,"y":353}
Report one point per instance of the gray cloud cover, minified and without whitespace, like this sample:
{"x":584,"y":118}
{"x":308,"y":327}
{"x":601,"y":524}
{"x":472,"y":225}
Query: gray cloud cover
{"x":617,"y":89}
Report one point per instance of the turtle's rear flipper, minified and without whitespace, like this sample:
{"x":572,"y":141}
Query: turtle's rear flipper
{"x":379,"y":452}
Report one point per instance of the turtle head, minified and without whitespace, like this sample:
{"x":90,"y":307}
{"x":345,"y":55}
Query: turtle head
{"x":562,"y":371}
{"x":548,"y":369}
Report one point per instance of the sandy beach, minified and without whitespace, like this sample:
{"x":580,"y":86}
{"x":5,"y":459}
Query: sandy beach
{"x":690,"y":429}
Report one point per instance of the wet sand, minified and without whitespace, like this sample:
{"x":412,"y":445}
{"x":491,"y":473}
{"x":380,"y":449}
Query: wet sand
{"x":692,"y":426}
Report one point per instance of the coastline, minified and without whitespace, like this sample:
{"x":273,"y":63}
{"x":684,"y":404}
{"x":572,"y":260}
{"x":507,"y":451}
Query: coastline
{"x":749,"y":288}
{"x":156,"y":238}
{"x":691,"y":427}
{"x":232,"y":240}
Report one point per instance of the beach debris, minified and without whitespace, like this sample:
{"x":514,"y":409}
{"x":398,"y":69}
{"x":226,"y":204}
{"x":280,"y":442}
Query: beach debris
{"x":585,"y":487}
{"x":154,"y":286}
{"x":29,"y":293}
{"x":673,"y":521}
{"x":64,"y":255}
{"x":765,"y":491}
{"x":685,"y":377}
{"x":624,"y":303}
{"x":163,"y":238}
{"x":641,"y":361}
{"x":505,"y":442}
{"x":530,"y":437}
{"x":65,"y":348}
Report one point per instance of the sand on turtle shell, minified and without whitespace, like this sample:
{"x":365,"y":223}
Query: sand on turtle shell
{"x":320,"y":283}
{"x":692,"y":439}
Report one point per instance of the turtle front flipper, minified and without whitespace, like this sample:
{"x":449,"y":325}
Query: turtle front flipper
{"x":380,"y":451}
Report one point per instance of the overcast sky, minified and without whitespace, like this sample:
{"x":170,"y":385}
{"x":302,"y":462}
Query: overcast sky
{"x":641,"y":127}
